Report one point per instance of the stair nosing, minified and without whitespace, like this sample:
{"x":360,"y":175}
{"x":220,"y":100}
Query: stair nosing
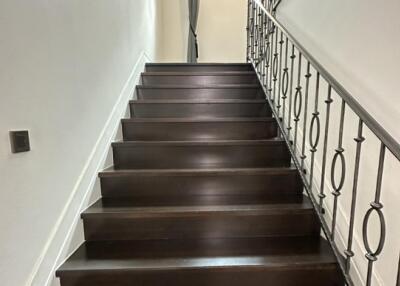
{"x":209,"y":86}
{"x":258,"y":142}
{"x":199,"y":73}
{"x":198,"y":64}
{"x":187,"y":266}
{"x":200,"y":120}
{"x":111,"y":172}
{"x":198,"y":101}
{"x":97,"y":210}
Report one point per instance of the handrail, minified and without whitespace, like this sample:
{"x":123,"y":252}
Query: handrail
{"x":376,"y":128}
{"x":285,"y":70}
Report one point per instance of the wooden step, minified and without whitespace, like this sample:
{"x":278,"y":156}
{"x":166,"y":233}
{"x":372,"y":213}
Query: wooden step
{"x":122,"y":221}
{"x":200,"y":154}
{"x":198,"y":67}
{"x":196,"y":183}
{"x":199,"y":108}
{"x":199,"y":78}
{"x":175,"y":129}
{"x":213,"y":262}
{"x":165,"y":92}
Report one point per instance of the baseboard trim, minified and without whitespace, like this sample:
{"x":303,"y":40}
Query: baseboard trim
{"x":56,"y":249}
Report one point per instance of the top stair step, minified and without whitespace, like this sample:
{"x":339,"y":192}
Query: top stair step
{"x":186,"y":67}
{"x":199,"y":78}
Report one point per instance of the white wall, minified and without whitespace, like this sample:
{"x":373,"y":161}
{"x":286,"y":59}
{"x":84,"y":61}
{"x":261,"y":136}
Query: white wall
{"x":221,"y":30}
{"x":358,"y":42}
{"x":174,"y":30}
{"x":67,"y":69}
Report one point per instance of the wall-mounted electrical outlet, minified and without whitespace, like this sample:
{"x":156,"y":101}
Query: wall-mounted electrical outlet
{"x":19,"y":141}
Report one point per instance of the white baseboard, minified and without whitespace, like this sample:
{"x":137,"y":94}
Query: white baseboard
{"x":60,"y":241}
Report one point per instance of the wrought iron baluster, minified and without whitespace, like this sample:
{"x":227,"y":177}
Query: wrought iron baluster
{"x":275,"y":66}
{"x":376,"y":206}
{"x":298,"y":102}
{"x":260,"y":42}
{"x":267,"y":58}
{"x":338,"y":154}
{"x":349,"y":251}
{"x":253,"y":10}
{"x":292,"y":58}
{"x":256,"y":12}
{"x":285,"y":80}
{"x":314,"y":122}
{"x":272,"y":32}
{"x":321,"y":194}
{"x":264,"y":39}
{"x":280,"y":73}
{"x":303,"y":146}
{"x":249,"y":2}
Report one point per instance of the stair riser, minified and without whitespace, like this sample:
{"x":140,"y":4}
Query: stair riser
{"x":199,"y":93}
{"x":181,"y":131}
{"x":198,"y":68}
{"x":234,"y":276}
{"x":158,"y":186}
{"x":199,"y":110}
{"x":217,"y":225}
{"x":200,"y":156}
{"x":202,"y":80}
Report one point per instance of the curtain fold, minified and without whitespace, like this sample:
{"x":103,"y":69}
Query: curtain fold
{"x":193,"y":49}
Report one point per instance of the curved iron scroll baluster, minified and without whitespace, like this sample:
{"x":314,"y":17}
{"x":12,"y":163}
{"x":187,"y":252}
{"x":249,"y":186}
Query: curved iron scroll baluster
{"x":275,"y":66}
{"x":314,"y":122}
{"x":297,"y":104}
{"x":285,"y":80}
{"x":271,"y":34}
{"x":338,"y":154}
{"x":292,"y":58}
{"x":376,"y":206}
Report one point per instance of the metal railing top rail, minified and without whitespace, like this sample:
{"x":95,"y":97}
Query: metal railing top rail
{"x":392,"y":145}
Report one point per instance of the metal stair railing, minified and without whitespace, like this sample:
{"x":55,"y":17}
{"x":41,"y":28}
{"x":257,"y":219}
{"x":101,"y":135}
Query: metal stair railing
{"x":320,"y":138}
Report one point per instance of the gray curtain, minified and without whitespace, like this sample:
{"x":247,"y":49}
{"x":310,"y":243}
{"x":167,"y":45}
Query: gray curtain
{"x":193,"y":50}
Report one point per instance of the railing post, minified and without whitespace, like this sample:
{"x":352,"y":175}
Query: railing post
{"x":349,"y":251}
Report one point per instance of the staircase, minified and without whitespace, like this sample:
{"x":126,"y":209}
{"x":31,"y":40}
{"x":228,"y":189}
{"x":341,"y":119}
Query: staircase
{"x":202,"y":192}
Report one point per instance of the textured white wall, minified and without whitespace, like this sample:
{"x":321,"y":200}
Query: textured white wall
{"x":64,"y":65}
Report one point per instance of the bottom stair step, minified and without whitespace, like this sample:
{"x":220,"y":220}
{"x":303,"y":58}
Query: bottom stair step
{"x":251,"y":261}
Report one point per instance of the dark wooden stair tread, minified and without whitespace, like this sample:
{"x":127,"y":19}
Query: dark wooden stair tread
{"x":205,"y":120}
{"x":202,"y":192}
{"x":270,"y":142}
{"x":191,"y":86}
{"x":199,"y":101}
{"x":268,"y":205}
{"x":203,"y":253}
{"x":198,"y":66}
{"x":111,"y":172}
{"x":200,"y":73}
